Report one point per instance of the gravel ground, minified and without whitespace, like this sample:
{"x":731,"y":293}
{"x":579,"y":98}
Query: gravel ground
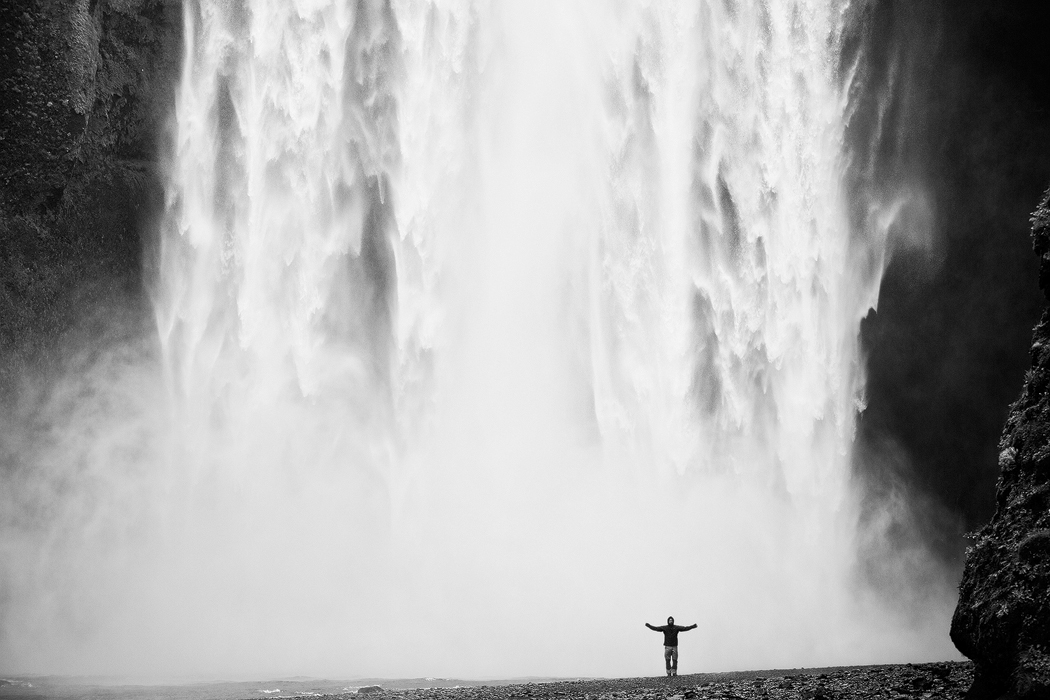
{"x":947,"y":680}
{"x":939,"y":681}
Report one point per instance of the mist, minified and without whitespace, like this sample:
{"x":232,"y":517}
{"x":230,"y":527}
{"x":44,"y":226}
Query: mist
{"x":481,"y":334}
{"x":964,"y":131}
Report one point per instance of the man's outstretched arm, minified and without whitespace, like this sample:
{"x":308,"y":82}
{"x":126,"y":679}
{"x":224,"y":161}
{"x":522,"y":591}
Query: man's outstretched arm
{"x":651,"y":627}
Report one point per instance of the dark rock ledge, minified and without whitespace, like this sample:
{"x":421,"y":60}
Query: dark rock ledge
{"x":1002,"y":621}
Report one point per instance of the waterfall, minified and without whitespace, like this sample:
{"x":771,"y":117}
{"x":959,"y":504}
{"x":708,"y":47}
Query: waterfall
{"x":490,"y":331}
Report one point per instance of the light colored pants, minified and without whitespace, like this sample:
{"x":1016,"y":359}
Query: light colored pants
{"x":671,"y":658}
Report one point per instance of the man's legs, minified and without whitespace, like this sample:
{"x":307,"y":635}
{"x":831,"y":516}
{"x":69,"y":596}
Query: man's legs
{"x":668,"y":653}
{"x":674,"y":661}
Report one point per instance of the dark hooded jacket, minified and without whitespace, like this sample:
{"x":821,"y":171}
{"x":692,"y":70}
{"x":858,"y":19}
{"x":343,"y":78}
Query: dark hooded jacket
{"x":670,"y":632}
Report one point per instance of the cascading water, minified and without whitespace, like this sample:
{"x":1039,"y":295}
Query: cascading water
{"x":491,"y":331}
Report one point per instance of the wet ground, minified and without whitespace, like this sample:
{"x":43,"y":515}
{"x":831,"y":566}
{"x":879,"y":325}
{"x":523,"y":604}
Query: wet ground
{"x":939,"y":680}
{"x":936,"y":681}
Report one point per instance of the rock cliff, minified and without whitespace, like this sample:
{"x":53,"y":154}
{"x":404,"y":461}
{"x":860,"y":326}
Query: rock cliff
{"x":1002,"y":621}
{"x":87,"y":86}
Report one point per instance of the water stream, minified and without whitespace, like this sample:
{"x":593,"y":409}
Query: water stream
{"x":492,"y":330}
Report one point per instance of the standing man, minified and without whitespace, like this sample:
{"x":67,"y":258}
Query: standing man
{"x":671,"y":631}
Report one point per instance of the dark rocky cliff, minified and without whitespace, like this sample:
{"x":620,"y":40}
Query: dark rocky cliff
{"x":1002,"y":621}
{"x":87,"y":85}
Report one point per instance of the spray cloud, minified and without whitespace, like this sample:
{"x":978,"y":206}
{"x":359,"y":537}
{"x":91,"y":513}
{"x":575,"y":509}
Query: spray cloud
{"x":481,"y":328}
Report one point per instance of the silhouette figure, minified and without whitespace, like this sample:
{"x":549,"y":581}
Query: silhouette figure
{"x":670,"y":631}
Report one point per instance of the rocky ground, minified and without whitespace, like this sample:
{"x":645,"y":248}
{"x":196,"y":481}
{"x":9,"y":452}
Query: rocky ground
{"x":936,"y":681}
{"x":947,"y":680}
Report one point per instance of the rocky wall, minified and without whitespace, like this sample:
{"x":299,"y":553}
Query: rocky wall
{"x":1002,"y":621}
{"x":87,"y":85}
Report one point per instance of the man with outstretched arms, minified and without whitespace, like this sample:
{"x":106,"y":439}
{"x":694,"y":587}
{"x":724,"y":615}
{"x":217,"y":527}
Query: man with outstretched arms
{"x":670,"y":631}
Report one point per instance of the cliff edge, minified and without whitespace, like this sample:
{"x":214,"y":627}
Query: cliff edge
{"x":1002,"y":621}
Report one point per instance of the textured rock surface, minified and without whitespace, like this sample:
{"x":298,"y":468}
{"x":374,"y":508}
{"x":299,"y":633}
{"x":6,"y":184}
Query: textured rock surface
{"x":87,"y":85}
{"x":1002,"y":621}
